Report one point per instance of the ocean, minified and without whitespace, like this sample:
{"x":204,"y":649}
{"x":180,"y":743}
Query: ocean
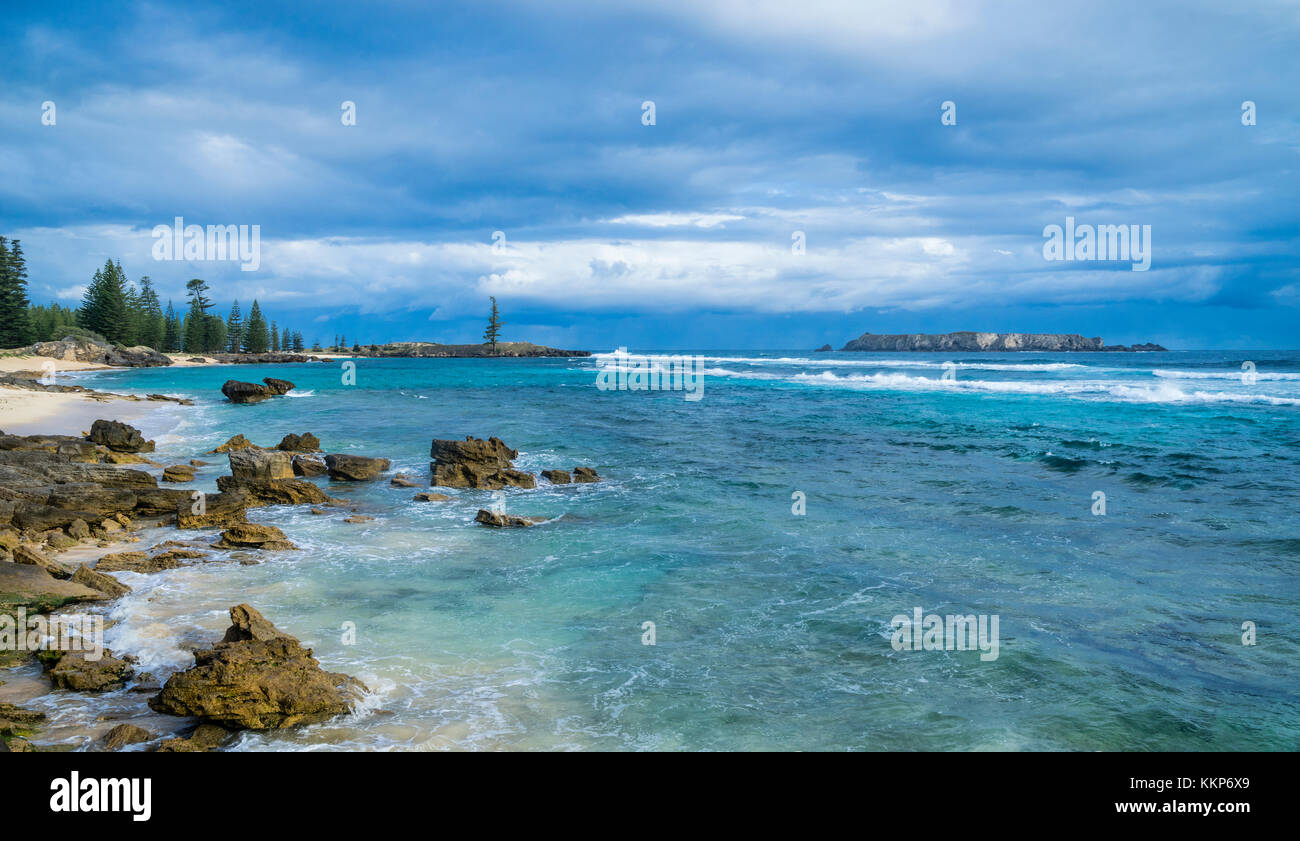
{"x":770,"y":531}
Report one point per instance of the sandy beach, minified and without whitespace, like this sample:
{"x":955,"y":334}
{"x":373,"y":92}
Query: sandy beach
{"x":24,"y":412}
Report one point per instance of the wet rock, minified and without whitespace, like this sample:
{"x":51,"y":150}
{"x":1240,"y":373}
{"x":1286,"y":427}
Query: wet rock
{"x":274,"y":492}
{"x":475,"y":463}
{"x":123,"y":735}
{"x":196,"y":463}
{"x":60,"y":541}
{"x":355,"y":468}
{"x":239,"y":442}
{"x":97,"y":580}
{"x":242,"y":392}
{"x":358,"y":518}
{"x":30,"y":587}
{"x":585,"y":474}
{"x":309,"y":466}
{"x":319,"y":511}
{"x":119,"y":437}
{"x":124,"y":458}
{"x":253,"y":536}
{"x":178,"y":473}
{"x":557,"y":477}
{"x":426,"y":496}
{"x":217,"y":510}
{"x":75,"y":671}
{"x":401,"y":480}
{"x":257,"y":678}
{"x":500,"y":520}
{"x":305,"y":443}
{"x":278,"y":386}
{"x":30,"y":555}
{"x":205,"y":737}
{"x":160,"y":502}
{"x":260,"y":465}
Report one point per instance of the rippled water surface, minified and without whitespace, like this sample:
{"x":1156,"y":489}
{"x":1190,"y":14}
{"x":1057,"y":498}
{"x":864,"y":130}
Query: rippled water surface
{"x":973,"y":496}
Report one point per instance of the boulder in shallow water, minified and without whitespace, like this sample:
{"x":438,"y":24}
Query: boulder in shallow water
{"x":31,"y":587}
{"x":350,"y":468}
{"x":426,"y":496}
{"x":309,"y":466}
{"x":278,"y":386}
{"x":119,"y":437}
{"x":260,"y":465}
{"x":123,"y":735}
{"x":585,"y":474}
{"x":501,"y":520}
{"x":274,"y":491}
{"x":305,"y":443}
{"x":257,"y":678}
{"x":557,"y":477}
{"x":94,"y":579}
{"x":213,"y":510}
{"x":475,"y":463}
{"x":178,"y":473}
{"x":237,"y":391}
{"x":239,"y":442}
{"x":78,"y":672}
{"x":253,"y":536}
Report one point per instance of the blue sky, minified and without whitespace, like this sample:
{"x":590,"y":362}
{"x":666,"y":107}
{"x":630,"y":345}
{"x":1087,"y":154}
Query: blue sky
{"x":770,"y":118}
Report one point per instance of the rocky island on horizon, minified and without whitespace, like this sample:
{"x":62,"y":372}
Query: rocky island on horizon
{"x":972,"y":341}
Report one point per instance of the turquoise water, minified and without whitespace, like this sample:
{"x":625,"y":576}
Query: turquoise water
{"x":1121,"y":631}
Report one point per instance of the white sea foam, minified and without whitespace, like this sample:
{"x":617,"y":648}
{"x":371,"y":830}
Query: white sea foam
{"x":1085,"y":389}
{"x":1235,"y":376}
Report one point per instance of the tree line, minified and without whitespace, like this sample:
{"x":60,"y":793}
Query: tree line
{"x":118,"y":310}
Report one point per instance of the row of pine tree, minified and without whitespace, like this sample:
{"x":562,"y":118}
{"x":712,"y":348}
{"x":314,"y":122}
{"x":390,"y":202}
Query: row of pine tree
{"x":118,"y":310}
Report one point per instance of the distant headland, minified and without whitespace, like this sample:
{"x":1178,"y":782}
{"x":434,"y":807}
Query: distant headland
{"x":971,"y":341}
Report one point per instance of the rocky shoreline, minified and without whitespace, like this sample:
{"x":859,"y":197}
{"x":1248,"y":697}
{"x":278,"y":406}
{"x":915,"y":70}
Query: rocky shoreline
{"x":62,"y":495}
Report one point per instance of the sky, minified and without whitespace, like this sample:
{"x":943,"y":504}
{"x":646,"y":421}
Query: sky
{"x":801,"y":182}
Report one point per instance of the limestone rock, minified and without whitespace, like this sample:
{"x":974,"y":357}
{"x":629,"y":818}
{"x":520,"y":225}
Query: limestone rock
{"x":123,"y":735}
{"x":253,"y":536}
{"x":305,"y":443}
{"x":119,"y":437}
{"x":499,"y":520}
{"x":178,"y":473}
{"x":557,"y":477}
{"x":585,"y":474}
{"x":256,"y":678}
{"x":260,"y":465}
{"x":350,"y":468}
{"x":99,"y":581}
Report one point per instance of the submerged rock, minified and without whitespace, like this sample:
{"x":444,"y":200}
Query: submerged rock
{"x":401,"y":480}
{"x":257,"y":678}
